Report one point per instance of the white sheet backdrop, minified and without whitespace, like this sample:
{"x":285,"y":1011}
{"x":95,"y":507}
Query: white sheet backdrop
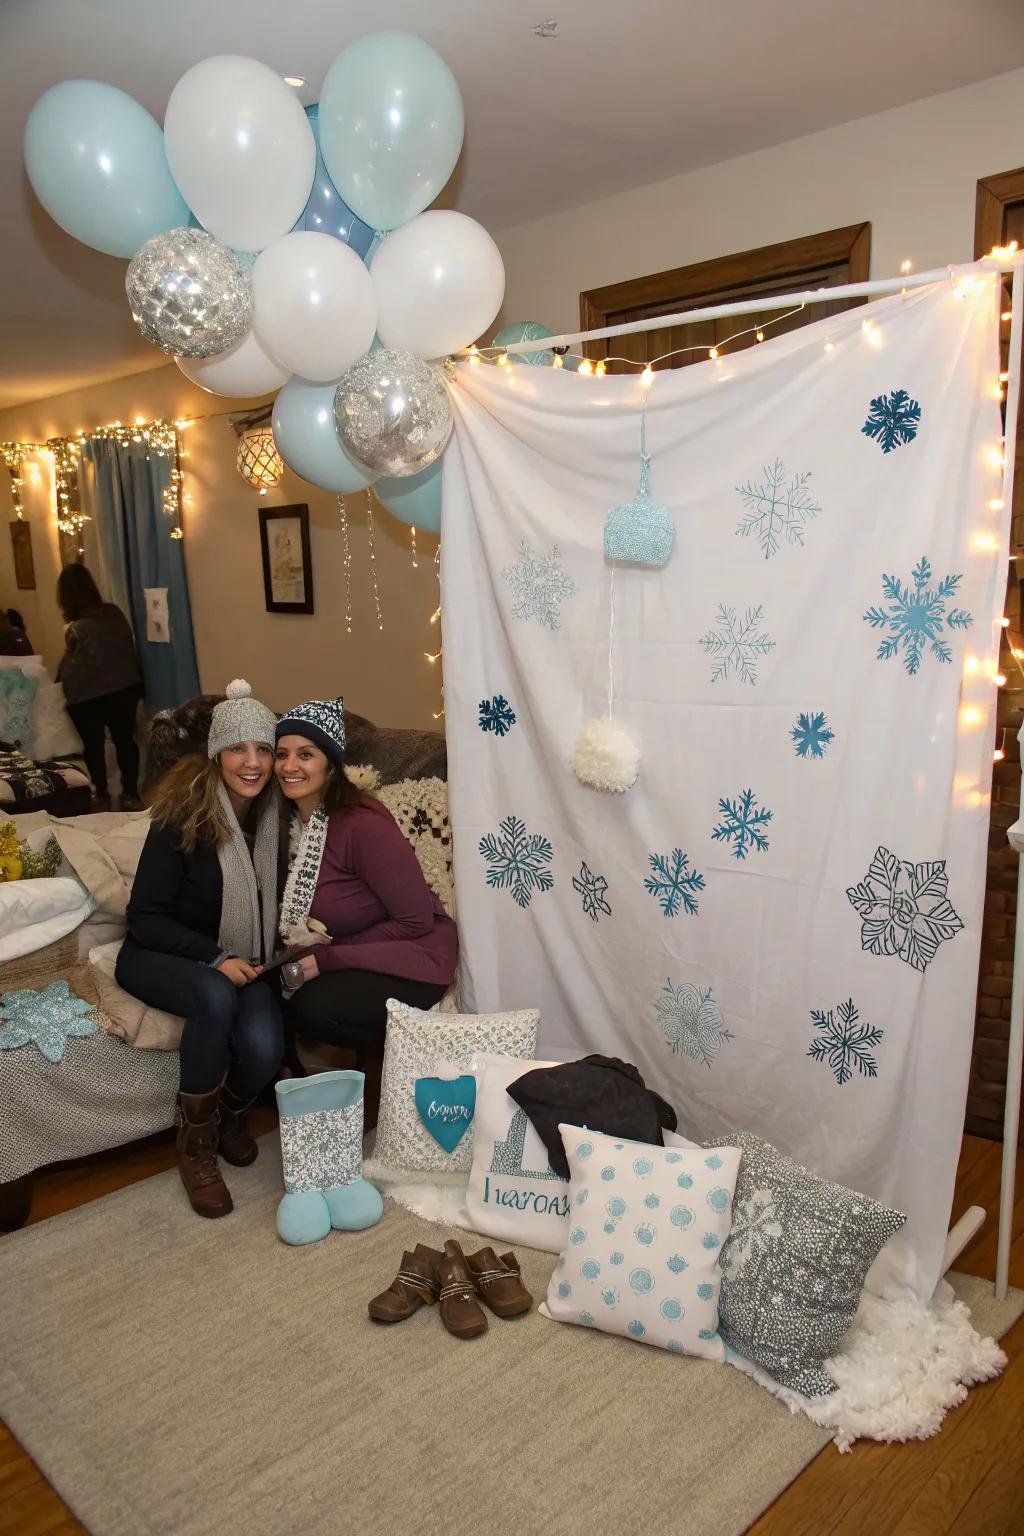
{"x":747,"y":983}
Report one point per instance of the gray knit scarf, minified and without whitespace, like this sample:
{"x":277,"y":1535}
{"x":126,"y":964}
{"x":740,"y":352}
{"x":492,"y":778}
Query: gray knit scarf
{"x":248,"y":927}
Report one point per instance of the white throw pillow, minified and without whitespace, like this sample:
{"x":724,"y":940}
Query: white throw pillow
{"x":646,"y":1229}
{"x":513,"y":1193}
{"x":418,"y":1047}
{"x":146,"y":1028}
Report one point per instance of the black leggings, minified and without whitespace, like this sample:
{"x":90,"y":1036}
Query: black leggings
{"x":92,"y":719}
{"x":349,"y":1008}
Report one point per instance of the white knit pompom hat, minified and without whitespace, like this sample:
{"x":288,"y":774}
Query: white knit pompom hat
{"x":240,"y":718}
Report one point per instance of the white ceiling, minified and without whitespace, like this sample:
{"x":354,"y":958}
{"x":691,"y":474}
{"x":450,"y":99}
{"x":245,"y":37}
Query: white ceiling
{"x":624,"y":94}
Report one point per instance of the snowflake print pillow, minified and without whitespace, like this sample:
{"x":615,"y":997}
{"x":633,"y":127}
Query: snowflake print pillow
{"x":425,"y":1049}
{"x":646,"y":1230}
{"x":794,"y":1265}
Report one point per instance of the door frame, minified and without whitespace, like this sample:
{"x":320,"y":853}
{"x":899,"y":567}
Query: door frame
{"x":994,"y":192}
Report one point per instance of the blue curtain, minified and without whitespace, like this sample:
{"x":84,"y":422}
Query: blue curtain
{"x":134,"y":534}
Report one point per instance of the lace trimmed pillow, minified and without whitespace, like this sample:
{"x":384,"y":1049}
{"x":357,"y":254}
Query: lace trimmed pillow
{"x":425,"y":1048}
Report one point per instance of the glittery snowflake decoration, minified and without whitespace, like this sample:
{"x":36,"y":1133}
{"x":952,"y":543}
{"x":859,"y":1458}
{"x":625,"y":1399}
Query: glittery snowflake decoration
{"x":497,"y":715}
{"x":673,"y":883}
{"x":777,"y":509}
{"x":692,"y":1021}
{"x":736,"y":645}
{"x":811,"y":735}
{"x":915,"y":616}
{"x":742,"y":824}
{"x":845,"y":1042}
{"x":592,"y":890}
{"x":893,"y":420}
{"x":539,"y":586}
{"x":46,"y":1019}
{"x":905,"y":909}
{"x":519,"y":861}
{"x":755,"y":1226}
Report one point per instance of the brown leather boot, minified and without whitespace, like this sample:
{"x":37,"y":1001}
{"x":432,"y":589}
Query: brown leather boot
{"x":413,"y":1287}
{"x":498,"y":1282}
{"x":196,"y":1120}
{"x":236,"y":1145}
{"x":460,"y":1310}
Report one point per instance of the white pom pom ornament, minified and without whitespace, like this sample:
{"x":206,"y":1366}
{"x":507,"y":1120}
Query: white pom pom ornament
{"x":238,"y":689}
{"x":606,"y":756}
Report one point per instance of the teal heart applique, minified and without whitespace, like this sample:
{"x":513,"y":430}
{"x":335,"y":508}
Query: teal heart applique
{"x":446,"y":1107}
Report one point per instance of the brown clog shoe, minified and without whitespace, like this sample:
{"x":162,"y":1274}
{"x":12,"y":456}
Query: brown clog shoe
{"x":413,"y":1287}
{"x":499,"y":1283}
{"x":460,"y":1310}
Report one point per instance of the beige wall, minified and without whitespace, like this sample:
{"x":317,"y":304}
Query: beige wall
{"x":912,"y":172}
{"x":286,"y":657}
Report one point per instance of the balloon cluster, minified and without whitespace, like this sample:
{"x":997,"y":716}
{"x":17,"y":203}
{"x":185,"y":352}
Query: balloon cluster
{"x":272,"y":247}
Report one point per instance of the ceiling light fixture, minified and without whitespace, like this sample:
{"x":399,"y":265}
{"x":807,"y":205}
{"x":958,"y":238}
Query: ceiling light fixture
{"x":547,"y":28}
{"x":296,"y":81}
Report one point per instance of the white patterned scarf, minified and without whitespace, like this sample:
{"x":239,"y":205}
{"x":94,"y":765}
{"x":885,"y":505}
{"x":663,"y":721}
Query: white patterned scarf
{"x":248,"y":925}
{"x":300,"y":888}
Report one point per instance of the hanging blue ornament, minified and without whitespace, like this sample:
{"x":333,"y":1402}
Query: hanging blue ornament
{"x":640,"y":532}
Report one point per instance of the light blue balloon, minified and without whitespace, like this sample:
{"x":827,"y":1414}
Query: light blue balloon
{"x":307,"y":438}
{"x":97,"y":163}
{"x":416,"y":499}
{"x":525,"y":330}
{"x":326,"y":211}
{"x":391,"y":126}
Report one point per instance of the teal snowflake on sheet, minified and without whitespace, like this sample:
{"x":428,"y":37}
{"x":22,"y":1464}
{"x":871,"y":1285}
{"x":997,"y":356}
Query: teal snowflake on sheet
{"x":742,"y":823}
{"x":46,"y":1019}
{"x":497,"y":715}
{"x":736,"y":645}
{"x":812,"y":735}
{"x":893,"y":420}
{"x":539,"y":586}
{"x":692,"y":1021}
{"x":673,"y":883}
{"x":845,"y":1042}
{"x":905,"y":909}
{"x":592,"y":889}
{"x":777,"y":508}
{"x":519,"y":861}
{"x":915,"y":616}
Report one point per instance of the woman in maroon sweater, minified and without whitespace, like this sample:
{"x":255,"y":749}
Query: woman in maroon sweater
{"x":355,"y":873}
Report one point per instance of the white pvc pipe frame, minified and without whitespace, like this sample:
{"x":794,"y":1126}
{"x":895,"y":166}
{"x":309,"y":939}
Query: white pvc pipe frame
{"x":973,"y":1218}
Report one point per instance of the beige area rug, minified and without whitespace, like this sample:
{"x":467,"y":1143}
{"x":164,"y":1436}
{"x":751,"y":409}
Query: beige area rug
{"x":175,"y":1377}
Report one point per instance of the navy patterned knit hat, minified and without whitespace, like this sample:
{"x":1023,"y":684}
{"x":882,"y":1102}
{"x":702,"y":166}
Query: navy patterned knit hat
{"x":321,"y":721}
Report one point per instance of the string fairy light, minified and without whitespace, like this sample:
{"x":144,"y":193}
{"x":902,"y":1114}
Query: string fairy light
{"x":13,"y":456}
{"x":347,"y":561}
{"x":373,"y":560}
{"x":435,"y":618}
{"x":412,"y":539}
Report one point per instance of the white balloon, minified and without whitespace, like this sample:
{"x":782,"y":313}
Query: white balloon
{"x":439,"y":281}
{"x":314,"y":310}
{"x":240,"y":149}
{"x":243,"y":370}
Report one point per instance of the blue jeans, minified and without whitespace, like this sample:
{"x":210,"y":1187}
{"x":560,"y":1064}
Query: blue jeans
{"x":229,"y":1031}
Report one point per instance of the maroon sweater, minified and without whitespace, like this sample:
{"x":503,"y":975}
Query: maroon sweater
{"x":374,"y":902}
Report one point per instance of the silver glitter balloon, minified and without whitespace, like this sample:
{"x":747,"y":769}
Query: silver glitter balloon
{"x":393,"y":413}
{"x":189,"y":293}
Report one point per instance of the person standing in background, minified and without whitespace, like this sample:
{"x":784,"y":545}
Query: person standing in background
{"x":102,"y":682}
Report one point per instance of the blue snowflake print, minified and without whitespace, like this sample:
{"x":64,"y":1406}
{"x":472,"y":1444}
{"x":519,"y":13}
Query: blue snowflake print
{"x":714,"y":1162}
{"x":737,"y":646}
{"x":592,"y":889}
{"x":685,"y":1181}
{"x":893,"y":420}
{"x":582,"y":1197}
{"x":636,"y":1328}
{"x":844,"y":1041}
{"x":564,"y":1289}
{"x":681,"y":1217}
{"x":812,"y":735}
{"x":497,"y":715}
{"x":674,"y":1347}
{"x":710,"y":1241}
{"x":641,"y":1281}
{"x":607,"y":1174}
{"x":645,"y":1234}
{"x":539,"y":586}
{"x":590,"y":1269}
{"x":776,"y":509}
{"x":611,"y":1297}
{"x":705,"y":1291}
{"x":642,"y":1166}
{"x":586,"y":1318}
{"x":707,"y":1333}
{"x":577,"y":1236}
{"x":718,"y":1199}
{"x":676,"y":1264}
{"x":741,"y":824}
{"x":672,"y":1309}
{"x":519,"y":861}
{"x":915,"y":616}
{"x":673,"y":883}
{"x":585,"y":1149}
{"x":673,"y":1157}
{"x":691,"y":1021}
{"x":617,"y":1258}
{"x":652,"y":1202}
{"x":616,"y":1208}
{"x":904,"y":908}
{"x":609,"y":1227}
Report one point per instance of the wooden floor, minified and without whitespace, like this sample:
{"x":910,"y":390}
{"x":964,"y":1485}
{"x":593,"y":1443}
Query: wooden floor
{"x":966,"y":1481}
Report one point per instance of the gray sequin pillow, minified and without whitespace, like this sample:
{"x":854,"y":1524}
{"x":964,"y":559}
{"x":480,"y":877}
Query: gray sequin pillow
{"x":794,"y":1264}
{"x":416,"y":1046}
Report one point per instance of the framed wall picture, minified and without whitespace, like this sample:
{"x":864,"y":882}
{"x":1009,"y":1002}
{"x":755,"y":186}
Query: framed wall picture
{"x":287,"y":569}
{"x":24,"y":565}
